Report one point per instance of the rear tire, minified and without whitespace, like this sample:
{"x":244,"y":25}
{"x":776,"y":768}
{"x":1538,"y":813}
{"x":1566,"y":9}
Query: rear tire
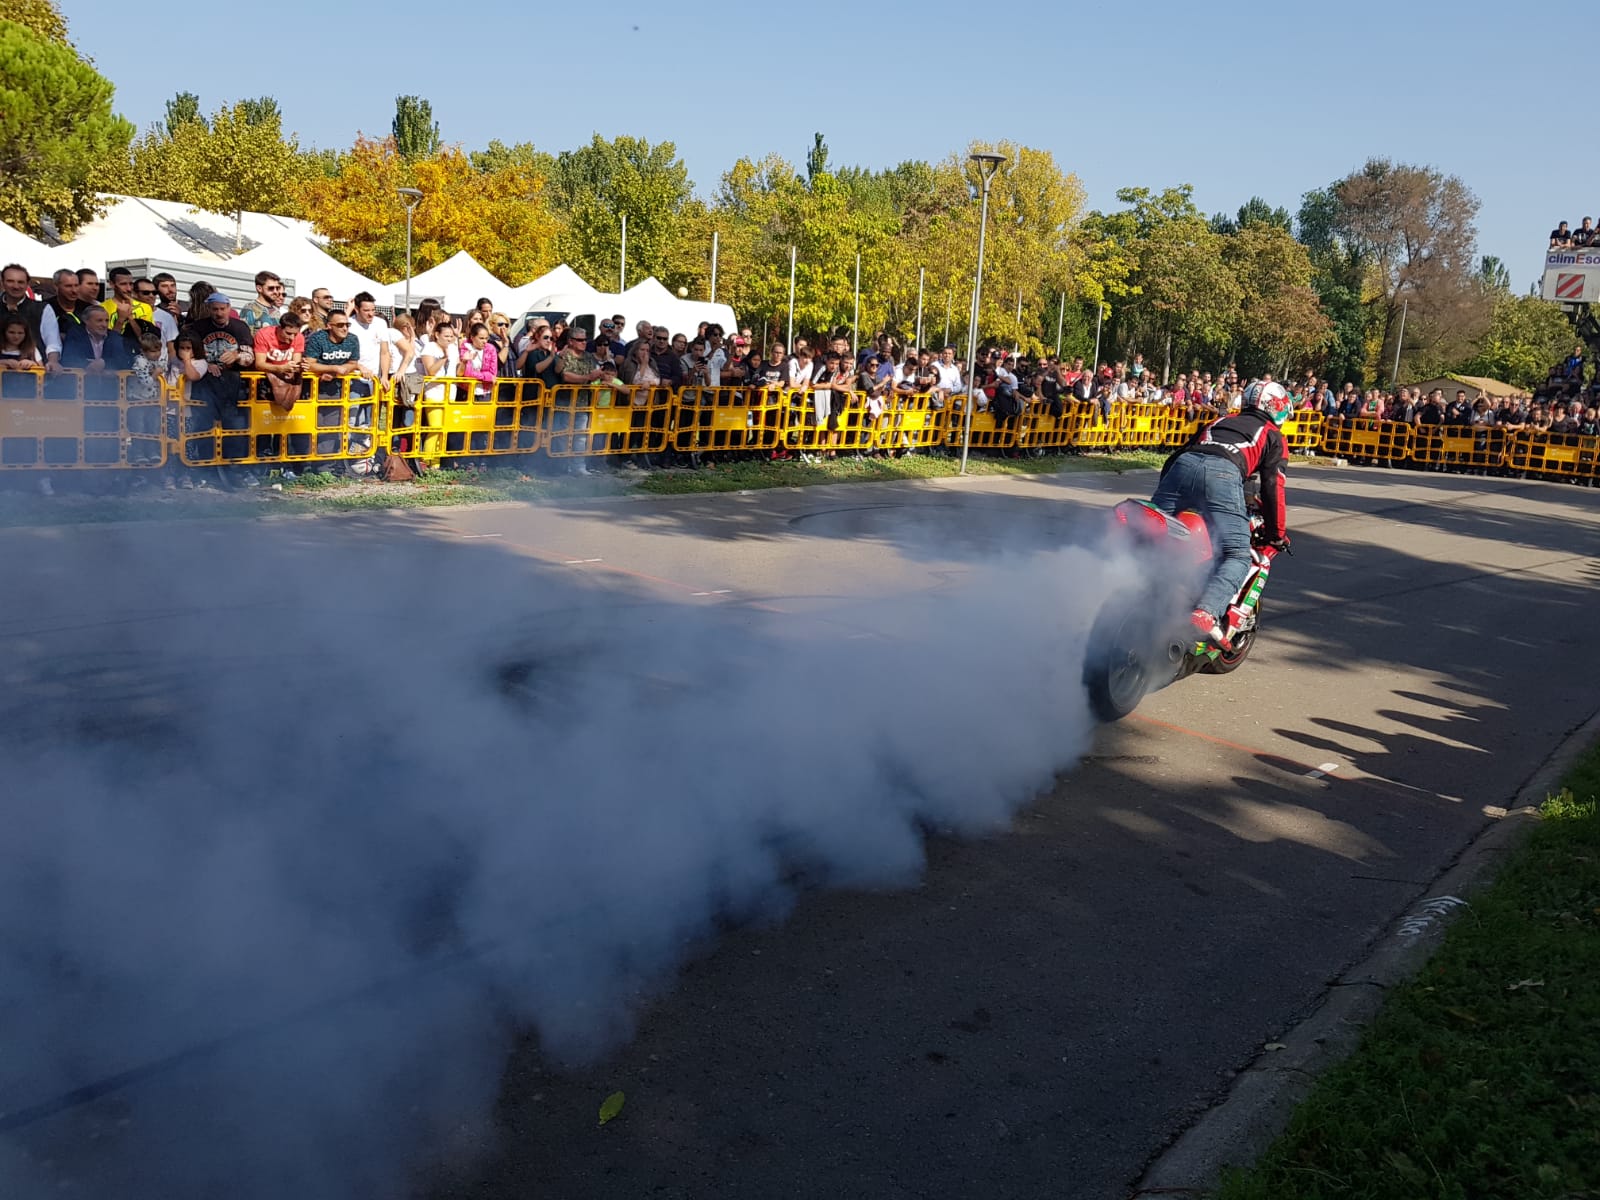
{"x":1230,"y":661}
{"x":1120,"y":666}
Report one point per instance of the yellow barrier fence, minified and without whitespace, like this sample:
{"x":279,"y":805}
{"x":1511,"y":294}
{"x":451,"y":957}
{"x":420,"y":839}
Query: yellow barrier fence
{"x":1144,"y":425}
{"x":1303,"y":431}
{"x":1096,"y":431}
{"x":1561,"y":455}
{"x":988,"y":431}
{"x":1051,"y":427}
{"x":458,"y":417}
{"x":223,"y":421}
{"x":1363,"y":439}
{"x":81,"y":420}
{"x":710,"y":419}
{"x":581,"y":421}
{"x":1458,"y":446}
{"x":906,"y":422}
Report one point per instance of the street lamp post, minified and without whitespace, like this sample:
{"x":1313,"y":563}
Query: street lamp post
{"x":412,"y":197}
{"x":988,"y":164}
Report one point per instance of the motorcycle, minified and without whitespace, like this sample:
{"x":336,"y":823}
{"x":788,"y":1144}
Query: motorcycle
{"x":1141,"y":640}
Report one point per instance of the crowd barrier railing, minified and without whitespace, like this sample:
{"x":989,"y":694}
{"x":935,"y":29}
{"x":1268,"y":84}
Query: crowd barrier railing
{"x":75,"y":420}
{"x":117,"y":420}
{"x":233,"y":420}
{"x":712,"y":419}
{"x":1364,"y":439}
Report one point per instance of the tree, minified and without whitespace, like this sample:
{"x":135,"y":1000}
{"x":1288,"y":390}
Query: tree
{"x":1493,"y":275}
{"x":416,"y":133}
{"x":238,"y":161}
{"x":1412,"y":231}
{"x":1281,"y":322}
{"x":595,"y":185}
{"x":502,"y":218}
{"x":43,"y":17}
{"x":816,"y":159}
{"x":263,"y":110}
{"x":1254,"y":211}
{"x":1527,"y":336}
{"x":59,"y":139}
{"x":182,"y":109}
{"x":497,"y":156}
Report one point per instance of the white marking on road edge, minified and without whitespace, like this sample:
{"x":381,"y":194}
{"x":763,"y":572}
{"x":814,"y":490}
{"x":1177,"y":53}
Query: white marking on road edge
{"x":1429,"y":913}
{"x":718,"y":592}
{"x":482,"y":535}
{"x":1324,"y":769}
{"x":572,"y":562}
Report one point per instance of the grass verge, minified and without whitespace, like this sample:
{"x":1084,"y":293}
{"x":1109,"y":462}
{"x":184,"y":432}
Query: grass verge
{"x":1481,"y":1076}
{"x":77,"y":501}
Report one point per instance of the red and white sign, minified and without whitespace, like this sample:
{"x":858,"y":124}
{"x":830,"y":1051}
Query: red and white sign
{"x":1569,"y":287}
{"x":1572,"y":282}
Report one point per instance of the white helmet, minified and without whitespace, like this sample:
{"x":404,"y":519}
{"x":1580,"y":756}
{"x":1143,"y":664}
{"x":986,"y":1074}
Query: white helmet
{"x":1271,"y":399}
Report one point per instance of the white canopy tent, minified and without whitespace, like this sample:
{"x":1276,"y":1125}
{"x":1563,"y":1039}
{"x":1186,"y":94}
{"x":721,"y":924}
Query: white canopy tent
{"x":562,"y":280}
{"x":293,"y":257}
{"x":457,"y":283}
{"x":206,"y":233}
{"x":20,"y":248}
{"x":125,"y":232}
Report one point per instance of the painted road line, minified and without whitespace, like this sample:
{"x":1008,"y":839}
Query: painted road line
{"x":574,"y":562}
{"x":1324,"y":769}
{"x":718,"y":592}
{"x":470,"y":536}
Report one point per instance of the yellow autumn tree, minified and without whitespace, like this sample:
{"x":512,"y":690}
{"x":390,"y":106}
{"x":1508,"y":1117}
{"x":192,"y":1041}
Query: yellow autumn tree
{"x":501,"y":217}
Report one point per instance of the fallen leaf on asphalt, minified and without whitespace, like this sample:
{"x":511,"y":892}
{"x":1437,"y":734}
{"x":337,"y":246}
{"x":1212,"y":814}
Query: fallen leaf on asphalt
{"x":612,"y":1106}
{"x":1274,"y":1046}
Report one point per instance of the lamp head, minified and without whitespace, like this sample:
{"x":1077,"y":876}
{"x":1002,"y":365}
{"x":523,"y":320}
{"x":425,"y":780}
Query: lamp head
{"x":411,"y":195}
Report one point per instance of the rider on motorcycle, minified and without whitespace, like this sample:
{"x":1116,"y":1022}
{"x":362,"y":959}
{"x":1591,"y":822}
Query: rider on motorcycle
{"x":1207,"y":476}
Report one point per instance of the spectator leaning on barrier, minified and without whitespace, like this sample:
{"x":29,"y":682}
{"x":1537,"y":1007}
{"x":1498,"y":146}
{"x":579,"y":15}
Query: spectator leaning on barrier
{"x":1560,"y":237}
{"x":18,"y":350}
{"x":225,"y":344}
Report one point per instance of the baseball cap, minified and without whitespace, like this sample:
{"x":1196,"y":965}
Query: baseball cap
{"x":217,"y":298}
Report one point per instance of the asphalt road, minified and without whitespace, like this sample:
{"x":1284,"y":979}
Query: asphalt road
{"x":1054,"y":1003}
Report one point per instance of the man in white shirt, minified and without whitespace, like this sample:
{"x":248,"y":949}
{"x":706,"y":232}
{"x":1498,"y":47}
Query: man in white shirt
{"x":146,"y":291}
{"x":374,"y":338}
{"x":950,"y":381}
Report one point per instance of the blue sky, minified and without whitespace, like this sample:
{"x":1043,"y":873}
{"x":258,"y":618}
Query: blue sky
{"x":1252,"y":98}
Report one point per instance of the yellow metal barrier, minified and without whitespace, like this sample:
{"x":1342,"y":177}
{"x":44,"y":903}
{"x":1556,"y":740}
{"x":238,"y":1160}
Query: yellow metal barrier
{"x":908,"y":421}
{"x":708,"y":419}
{"x":1562,"y":455}
{"x":1303,"y":431}
{"x":825,"y":422}
{"x":1361,"y":438}
{"x":451,"y":419}
{"x":1143,"y":424}
{"x":1043,"y":430}
{"x":81,"y":419}
{"x":234,"y":424}
{"x":988,"y":432}
{"x":1098,"y":432}
{"x":1458,"y":445}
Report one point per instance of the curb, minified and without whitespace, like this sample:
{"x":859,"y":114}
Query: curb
{"x":1263,"y":1096}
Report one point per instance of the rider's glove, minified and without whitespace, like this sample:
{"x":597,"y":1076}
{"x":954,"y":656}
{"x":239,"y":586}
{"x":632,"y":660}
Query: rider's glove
{"x":1280,"y":544}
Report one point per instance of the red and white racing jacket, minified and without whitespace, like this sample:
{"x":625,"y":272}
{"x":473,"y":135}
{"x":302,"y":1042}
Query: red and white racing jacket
{"x":1253,"y":444}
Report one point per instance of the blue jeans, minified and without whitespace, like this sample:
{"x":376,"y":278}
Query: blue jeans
{"x":1212,"y":486}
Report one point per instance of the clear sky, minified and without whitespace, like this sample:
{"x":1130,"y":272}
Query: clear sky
{"x":1241,"y":99}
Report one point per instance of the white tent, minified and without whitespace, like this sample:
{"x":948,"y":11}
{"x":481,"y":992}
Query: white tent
{"x":206,"y":233}
{"x":457,"y":283}
{"x":127,"y":231}
{"x":562,"y":280}
{"x":309,"y":266}
{"x":20,"y":248}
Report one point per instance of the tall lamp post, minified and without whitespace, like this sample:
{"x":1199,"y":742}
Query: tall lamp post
{"x":412,"y":197}
{"x":988,"y":164}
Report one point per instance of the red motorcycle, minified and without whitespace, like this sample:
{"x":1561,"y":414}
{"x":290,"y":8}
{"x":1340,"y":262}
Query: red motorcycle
{"x":1141,"y":640}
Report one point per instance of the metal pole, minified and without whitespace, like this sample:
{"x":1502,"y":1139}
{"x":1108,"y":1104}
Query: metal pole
{"x":1016,"y":342}
{"x":947,"y":296}
{"x":713,"y":266}
{"x":920,"y":272}
{"x":988,"y":170}
{"x":790,"y":342}
{"x":1061,"y":318}
{"x":1394,"y":377}
{"x":408,"y":259}
{"x":622,"y":275}
{"x":855,"y":324}
{"x":1099,"y":315}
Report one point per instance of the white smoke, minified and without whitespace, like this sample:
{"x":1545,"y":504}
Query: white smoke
{"x":281,"y":879}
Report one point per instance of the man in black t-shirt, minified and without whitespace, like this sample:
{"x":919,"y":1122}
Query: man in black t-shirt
{"x":1585,"y":234}
{"x":1561,"y":237}
{"x":228,"y":347}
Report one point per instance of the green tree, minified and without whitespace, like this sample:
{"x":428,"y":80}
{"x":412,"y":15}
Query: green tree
{"x":1526,"y":336}
{"x":1337,"y":275}
{"x":1254,"y":211}
{"x":595,"y":185}
{"x":262,"y":110}
{"x":1281,"y":323}
{"x":182,"y":109}
{"x":43,"y":17}
{"x":497,"y":156}
{"x":59,"y":138}
{"x":816,"y":159}
{"x":1492,"y":274}
{"x":416,"y":133}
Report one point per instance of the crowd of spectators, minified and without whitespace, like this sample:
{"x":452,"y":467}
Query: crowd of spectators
{"x":1564,"y":238}
{"x":315,"y":345}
